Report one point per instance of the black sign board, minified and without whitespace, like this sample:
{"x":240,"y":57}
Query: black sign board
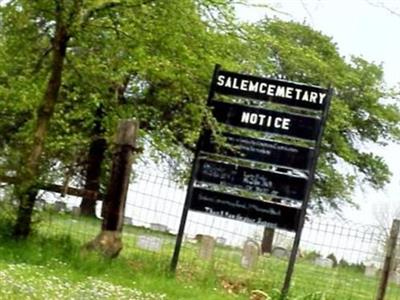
{"x":266,"y":151}
{"x":266,"y":182}
{"x":245,"y":209}
{"x":267,"y":120}
{"x":266,"y":89}
{"x":275,"y":184}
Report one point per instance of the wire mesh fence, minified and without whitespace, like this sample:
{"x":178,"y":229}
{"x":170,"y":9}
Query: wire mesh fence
{"x":337,"y":259}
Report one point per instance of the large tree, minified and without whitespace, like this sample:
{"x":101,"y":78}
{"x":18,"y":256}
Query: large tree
{"x":100,"y":61}
{"x":363,"y":110}
{"x":104,"y":60}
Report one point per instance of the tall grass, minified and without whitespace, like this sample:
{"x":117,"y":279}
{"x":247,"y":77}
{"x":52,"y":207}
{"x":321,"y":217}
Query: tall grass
{"x":54,"y":266}
{"x":53,"y":256}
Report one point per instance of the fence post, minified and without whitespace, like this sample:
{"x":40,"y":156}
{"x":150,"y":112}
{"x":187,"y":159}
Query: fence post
{"x":109,"y":240}
{"x":390,"y":255}
{"x":267,"y":241}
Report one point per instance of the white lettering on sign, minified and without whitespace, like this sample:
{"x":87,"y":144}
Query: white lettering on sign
{"x":253,"y":86}
{"x":271,"y":90}
{"x":265,"y":120}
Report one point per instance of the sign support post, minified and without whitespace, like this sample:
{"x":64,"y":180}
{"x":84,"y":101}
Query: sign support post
{"x":189,"y":193}
{"x":296,"y":242}
{"x":284,"y":182}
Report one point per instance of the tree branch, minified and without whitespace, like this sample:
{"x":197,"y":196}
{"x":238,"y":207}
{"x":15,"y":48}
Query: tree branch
{"x":107,"y":6}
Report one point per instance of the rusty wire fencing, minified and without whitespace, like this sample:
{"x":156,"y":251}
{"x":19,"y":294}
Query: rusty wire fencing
{"x":337,"y":259}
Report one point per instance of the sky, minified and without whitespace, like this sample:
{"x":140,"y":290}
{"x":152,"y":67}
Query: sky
{"x":367,"y":28}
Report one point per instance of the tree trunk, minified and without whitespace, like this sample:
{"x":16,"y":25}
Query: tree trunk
{"x":95,"y":159}
{"x":26,"y":190}
{"x":97,"y":151}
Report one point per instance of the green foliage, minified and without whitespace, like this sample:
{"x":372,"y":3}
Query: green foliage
{"x":131,"y":59}
{"x":355,"y":267}
{"x":152,"y":60}
{"x":333,"y":258}
{"x":310,"y":255}
{"x":359,"y":113}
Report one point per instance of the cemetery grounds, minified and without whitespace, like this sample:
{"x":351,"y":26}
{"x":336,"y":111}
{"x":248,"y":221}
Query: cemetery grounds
{"x":53,"y":265}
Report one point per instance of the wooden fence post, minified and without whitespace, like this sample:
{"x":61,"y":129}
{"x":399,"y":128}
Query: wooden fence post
{"x":109,"y":241}
{"x":390,"y":256}
{"x":267,"y":241}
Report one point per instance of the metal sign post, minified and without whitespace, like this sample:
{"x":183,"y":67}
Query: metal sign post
{"x":296,"y":242}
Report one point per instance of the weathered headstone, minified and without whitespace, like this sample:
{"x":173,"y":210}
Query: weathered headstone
{"x":188,"y":239}
{"x":220,"y":240}
{"x":395,"y":277}
{"x":251,"y":251}
{"x":127,"y":220}
{"x":198,"y":237}
{"x":150,"y":243}
{"x":76,"y":211}
{"x":323,"y":262}
{"x":158,"y":227}
{"x":280,"y":252}
{"x":40,"y":204}
{"x":370,"y":271}
{"x":207,"y":244}
{"x":60,"y":206}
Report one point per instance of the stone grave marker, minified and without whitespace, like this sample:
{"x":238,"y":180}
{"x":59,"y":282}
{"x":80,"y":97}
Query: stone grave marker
{"x":188,"y":239}
{"x":280,"y":252}
{"x":60,"y":206}
{"x":251,"y":251}
{"x":395,"y":277}
{"x":370,"y":271}
{"x":76,"y":211}
{"x":150,"y":243}
{"x":127,"y":220}
{"x":221,"y":240}
{"x":40,"y":204}
{"x":159,"y":227}
{"x":324,"y":262}
{"x":207,"y":245}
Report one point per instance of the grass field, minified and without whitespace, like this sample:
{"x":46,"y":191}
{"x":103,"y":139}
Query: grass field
{"x":51,"y":265}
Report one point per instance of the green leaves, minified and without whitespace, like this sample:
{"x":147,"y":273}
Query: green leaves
{"x":153,"y":60}
{"x":359,"y":114}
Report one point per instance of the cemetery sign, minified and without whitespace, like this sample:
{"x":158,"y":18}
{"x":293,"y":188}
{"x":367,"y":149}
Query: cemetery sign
{"x":264,"y":171}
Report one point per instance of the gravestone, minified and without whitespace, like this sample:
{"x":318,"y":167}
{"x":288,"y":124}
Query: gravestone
{"x":324,"y":262}
{"x":127,"y":220}
{"x":198,"y":237}
{"x":221,"y":241}
{"x":150,"y":243}
{"x":395,"y":277}
{"x":159,"y":227}
{"x":280,"y":252}
{"x":207,"y":244}
{"x":60,"y":206}
{"x":188,"y":239}
{"x":370,"y":271}
{"x":40,"y":204}
{"x":251,"y":251}
{"x":76,"y":211}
